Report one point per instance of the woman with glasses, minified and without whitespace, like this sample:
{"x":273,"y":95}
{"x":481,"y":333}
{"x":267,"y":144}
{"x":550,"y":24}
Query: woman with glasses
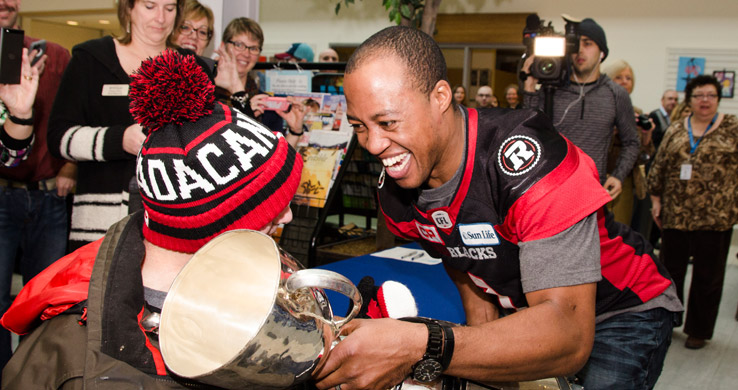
{"x":693,"y":183}
{"x":90,"y":122}
{"x":196,"y":29}
{"x":239,"y":51}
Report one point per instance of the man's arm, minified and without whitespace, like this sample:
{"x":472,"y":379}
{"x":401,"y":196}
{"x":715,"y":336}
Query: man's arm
{"x":625,"y":122}
{"x":530,"y":95}
{"x":552,"y":337}
{"x":477,"y":305}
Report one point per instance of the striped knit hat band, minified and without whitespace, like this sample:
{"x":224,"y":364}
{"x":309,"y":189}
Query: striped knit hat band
{"x":208,"y":173}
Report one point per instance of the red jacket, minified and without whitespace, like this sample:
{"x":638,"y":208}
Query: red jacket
{"x":57,"y":288}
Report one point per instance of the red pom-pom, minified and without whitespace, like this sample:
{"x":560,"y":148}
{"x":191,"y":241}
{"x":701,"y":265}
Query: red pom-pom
{"x":170,"y":88}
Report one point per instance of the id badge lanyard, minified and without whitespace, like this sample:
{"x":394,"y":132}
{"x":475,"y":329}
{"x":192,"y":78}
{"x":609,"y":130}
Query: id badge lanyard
{"x":686,"y":169}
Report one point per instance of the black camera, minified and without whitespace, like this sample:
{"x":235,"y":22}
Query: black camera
{"x":551,"y":49}
{"x":643,"y":122}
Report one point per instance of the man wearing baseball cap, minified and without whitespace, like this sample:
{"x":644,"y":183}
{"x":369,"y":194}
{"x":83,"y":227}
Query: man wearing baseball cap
{"x":204,"y":169}
{"x":588,"y":108}
{"x":298,"y":52}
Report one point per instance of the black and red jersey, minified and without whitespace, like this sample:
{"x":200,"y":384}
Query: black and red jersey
{"x":522,"y":181}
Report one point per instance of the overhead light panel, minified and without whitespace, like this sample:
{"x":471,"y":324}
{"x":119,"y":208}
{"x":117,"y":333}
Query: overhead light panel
{"x":103,"y":21}
{"x":72,"y":22}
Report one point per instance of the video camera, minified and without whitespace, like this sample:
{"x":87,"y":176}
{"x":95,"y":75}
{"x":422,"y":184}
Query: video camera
{"x":552,"y":50}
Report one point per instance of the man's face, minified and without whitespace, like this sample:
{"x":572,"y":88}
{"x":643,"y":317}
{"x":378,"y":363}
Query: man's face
{"x":484,"y":97}
{"x":328,"y":55}
{"x":395,"y":122}
{"x":587,"y":59}
{"x":669,"y":101}
{"x":8,"y":13}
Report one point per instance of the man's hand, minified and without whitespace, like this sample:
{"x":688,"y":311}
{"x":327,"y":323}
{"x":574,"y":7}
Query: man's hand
{"x":613,"y":186}
{"x":376,"y":354}
{"x":656,"y":210}
{"x":133,"y":139}
{"x":530,"y":82}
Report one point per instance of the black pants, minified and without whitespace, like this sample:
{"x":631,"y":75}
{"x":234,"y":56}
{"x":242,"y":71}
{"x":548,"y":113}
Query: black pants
{"x":709,"y":252}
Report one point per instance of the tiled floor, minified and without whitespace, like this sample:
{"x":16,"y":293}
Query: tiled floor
{"x":714,"y":367}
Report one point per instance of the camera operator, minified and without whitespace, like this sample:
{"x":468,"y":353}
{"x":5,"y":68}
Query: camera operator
{"x":586,"y":109}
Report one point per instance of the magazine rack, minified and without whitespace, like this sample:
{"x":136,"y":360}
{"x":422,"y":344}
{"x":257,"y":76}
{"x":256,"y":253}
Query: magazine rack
{"x":302,"y":236}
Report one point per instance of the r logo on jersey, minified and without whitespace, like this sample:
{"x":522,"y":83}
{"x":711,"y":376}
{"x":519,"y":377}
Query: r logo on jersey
{"x":429,"y":233}
{"x":518,"y":155}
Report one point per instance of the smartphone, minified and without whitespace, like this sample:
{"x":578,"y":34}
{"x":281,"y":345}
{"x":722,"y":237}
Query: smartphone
{"x":11,"y":55}
{"x":276,"y":103}
{"x":40,"y":47}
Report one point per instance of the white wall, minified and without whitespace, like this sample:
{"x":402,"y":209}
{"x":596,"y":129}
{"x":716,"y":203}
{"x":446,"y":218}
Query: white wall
{"x":638,"y":31}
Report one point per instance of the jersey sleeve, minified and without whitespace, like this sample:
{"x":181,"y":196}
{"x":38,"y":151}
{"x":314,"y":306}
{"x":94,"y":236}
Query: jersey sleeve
{"x":545,"y":183}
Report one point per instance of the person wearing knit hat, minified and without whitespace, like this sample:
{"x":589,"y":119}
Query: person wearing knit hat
{"x":589,"y":28}
{"x":590,"y":106}
{"x":204,"y":169}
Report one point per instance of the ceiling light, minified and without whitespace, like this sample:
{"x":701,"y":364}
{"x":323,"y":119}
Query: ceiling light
{"x":72,"y":22}
{"x":103,"y":21}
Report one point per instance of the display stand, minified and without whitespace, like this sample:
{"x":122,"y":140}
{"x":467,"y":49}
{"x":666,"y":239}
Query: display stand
{"x":352,"y":190}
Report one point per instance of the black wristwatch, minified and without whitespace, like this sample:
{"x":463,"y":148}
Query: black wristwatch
{"x":430,"y":368}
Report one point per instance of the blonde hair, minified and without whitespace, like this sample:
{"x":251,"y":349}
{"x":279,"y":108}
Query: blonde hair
{"x":676,"y":113}
{"x":617,"y":66}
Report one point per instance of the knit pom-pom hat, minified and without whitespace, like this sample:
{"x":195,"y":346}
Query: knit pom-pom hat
{"x":204,"y":168}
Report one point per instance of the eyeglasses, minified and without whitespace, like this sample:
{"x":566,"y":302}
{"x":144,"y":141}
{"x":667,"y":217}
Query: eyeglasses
{"x":203,"y":33}
{"x":240,"y":46}
{"x":709,"y":96}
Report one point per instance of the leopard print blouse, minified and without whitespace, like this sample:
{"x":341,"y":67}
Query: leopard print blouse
{"x":709,"y":200}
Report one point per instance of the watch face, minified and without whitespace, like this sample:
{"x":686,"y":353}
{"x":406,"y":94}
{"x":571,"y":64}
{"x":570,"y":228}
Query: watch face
{"x":427,"y":370}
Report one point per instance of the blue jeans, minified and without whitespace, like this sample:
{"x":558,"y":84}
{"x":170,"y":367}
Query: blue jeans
{"x":629,"y":351}
{"x":35,"y":222}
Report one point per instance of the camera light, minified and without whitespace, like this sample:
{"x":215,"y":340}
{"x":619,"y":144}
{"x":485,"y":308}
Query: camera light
{"x":550,"y":46}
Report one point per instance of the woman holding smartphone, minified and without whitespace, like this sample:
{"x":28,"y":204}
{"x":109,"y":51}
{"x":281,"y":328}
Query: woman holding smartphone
{"x":238,"y":53}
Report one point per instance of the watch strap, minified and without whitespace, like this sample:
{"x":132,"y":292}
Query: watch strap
{"x":434,"y":348}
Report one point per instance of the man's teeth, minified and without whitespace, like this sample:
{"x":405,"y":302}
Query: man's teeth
{"x":388,"y":162}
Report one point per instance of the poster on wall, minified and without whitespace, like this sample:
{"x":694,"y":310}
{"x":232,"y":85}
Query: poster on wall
{"x":689,"y":68}
{"x":727,"y":81}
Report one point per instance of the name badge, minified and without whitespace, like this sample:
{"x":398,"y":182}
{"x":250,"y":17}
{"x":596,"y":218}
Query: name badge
{"x":686,"y":172}
{"x":115,"y":90}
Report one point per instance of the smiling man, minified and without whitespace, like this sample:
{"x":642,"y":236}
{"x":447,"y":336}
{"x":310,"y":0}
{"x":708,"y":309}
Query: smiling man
{"x":515,"y":211}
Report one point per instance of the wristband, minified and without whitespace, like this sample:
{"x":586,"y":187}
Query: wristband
{"x":19,"y":121}
{"x":448,"y":345}
{"x":240,"y":97}
{"x":304,"y":129}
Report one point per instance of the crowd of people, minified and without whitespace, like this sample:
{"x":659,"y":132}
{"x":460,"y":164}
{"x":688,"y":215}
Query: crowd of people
{"x":569,"y":200}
